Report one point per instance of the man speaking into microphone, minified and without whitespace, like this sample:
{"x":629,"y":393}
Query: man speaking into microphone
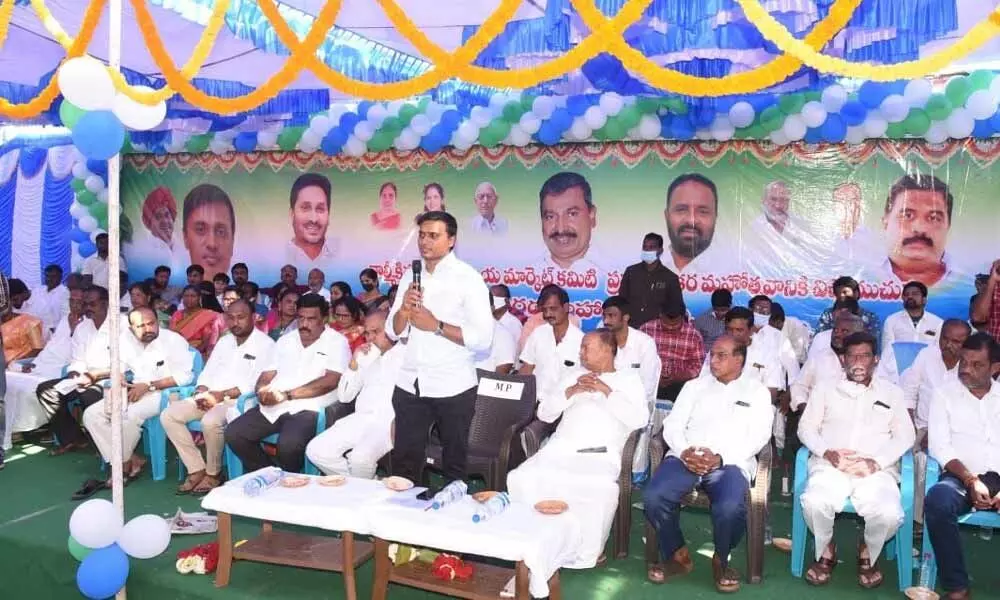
{"x":444,"y":319}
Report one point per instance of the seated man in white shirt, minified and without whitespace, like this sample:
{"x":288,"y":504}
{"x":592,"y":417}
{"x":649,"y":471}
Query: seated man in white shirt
{"x":636,"y":350}
{"x":158,"y":359}
{"x":720,"y":421}
{"x":301,"y":380}
{"x":761,"y":363}
{"x":553,"y":348}
{"x":965,"y":416}
{"x":49,"y":301}
{"x":316,"y":281}
{"x":798,"y":334}
{"x":824,"y":363}
{"x":355,"y":443}
{"x":913,"y":323}
{"x":600,"y":407}
{"x":502,"y":354}
{"x":231,"y":371}
{"x":856,"y":429}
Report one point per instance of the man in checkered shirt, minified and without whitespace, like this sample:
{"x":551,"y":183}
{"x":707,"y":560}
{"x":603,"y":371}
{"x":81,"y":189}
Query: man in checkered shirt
{"x":679,"y":345}
{"x":986,"y":309}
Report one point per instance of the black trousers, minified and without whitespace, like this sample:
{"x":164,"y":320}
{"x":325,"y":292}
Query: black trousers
{"x":63,"y":426}
{"x":414,"y":416}
{"x":294,"y":432}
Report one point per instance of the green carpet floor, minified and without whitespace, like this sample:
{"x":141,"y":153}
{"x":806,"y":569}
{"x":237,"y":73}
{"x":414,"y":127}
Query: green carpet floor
{"x":35,"y":564}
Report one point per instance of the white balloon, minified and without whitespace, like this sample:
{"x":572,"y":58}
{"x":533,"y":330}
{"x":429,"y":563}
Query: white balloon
{"x":468,"y":132}
{"x":420,"y":124}
{"x":917,"y":92}
{"x":267,"y":138}
{"x":95,"y":523}
{"x":310,"y":137}
{"x":703,"y":134}
{"x":530,"y":123}
{"x":722,"y":129}
{"x":480,"y":116}
{"x":355,"y":146}
{"x":594,"y":117}
{"x":813,"y":114}
{"x":960,"y":124}
{"x":611,"y":103}
{"x":364,"y":131}
{"x":459,"y":142}
{"x":498,"y":101}
{"x":226,"y":135}
{"x":407,"y":140}
{"x":649,"y":127}
{"x":580,"y":129}
{"x":741,"y":114}
{"x":307,"y":148}
{"x":321,"y":125}
{"x":778,"y":137}
{"x":875,"y":126}
{"x":981,"y":104}
{"x":518,"y":136}
{"x":335,"y":113}
{"x":94,"y":183}
{"x":218,"y":147}
{"x":102,"y":196}
{"x":88,"y":224}
{"x":794,"y":128}
{"x":80,"y":170}
{"x":145,"y":536}
{"x":86,"y":83}
{"x":376,"y":114}
{"x":434,"y":111}
{"x":543,"y":106}
{"x":140,"y":117}
{"x":937,"y":133}
{"x":833,"y":98}
{"x":894,"y":108}
{"x":76,"y":210}
{"x":855,"y":134}
{"x":394,"y":107}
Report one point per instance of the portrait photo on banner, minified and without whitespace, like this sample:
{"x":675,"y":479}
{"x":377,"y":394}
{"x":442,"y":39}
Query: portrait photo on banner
{"x":743,"y":216}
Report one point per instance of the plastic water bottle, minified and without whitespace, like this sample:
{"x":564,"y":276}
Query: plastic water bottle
{"x":450,"y":493}
{"x":491,"y":508}
{"x":986,"y":533}
{"x":264,"y":479}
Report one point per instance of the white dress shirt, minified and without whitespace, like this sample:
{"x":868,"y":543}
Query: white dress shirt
{"x":167,"y":356}
{"x":732,"y":420}
{"x":233,"y":365}
{"x":899,"y":327}
{"x":591,"y":419}
{"x":91,"y":348}
{"x":799,"y":335}
{"x":456,"y":295}
{"x":870,"y":420}
{"x":323,"y":292}
{"x":324,"y":261}
{"x":820,"y":342}
{"x":512,"y":324}
{"x":97,"y":268}
{"x":498,"y":226}
{"x":639,"y":354}
{"x":919,"y":382}
{"x":966,"y":428}
{"x":296,"y":366}
{"x":503,"y":350}
{"x":552,"y":360}
{"x":58,"y":351}
{"x":371,"y":385}
{"x":48,"y":305}
{"x":823,"y":364}
{"x":775,"y":345}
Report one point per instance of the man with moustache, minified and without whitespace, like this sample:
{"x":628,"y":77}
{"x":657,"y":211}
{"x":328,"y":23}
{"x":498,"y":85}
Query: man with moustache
{"x":209,"y":227}
{"x":691,"y":216}
{"x":553,"y":347}
{"x":824,"y":363}
{"x":913,"y":323}
{"x":636,"y":350}
{"x":856,"y":429}
{"x":487,"y":221}
{"x":95,"y":268}
{"x":963,"y":424}
{"x":569,"y":218}
{"x":310,"y":215}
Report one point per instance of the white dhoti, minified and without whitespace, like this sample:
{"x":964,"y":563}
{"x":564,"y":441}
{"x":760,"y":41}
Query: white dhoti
{"x":22,"y":411}
{"x":97,"y":422}
{"x":588,"y":483}
{"x":876,"y":499}
{"x":353,"y":446}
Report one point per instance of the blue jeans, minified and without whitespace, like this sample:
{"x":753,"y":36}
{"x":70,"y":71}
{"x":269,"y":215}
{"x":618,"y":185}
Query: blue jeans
{"x":726,"y":488}
{"x":946,"y":501}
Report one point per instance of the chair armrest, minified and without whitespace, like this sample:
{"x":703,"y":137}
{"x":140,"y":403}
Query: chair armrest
{"x":801,"y":469}
{"x":337,"y":411}
{"x":906,"y":478}
{"x":933,"y":473}
{"x":321,"y":422}
{"x":184,"y":391}
{"x":628,"y":454}
{"x":657,"y":449}
{"x":246,"y":401}
{"x":535,"y":433}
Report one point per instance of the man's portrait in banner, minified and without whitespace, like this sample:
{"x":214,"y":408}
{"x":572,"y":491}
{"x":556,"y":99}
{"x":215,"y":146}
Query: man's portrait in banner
{"x":856,"y":245}
{"x":691,"y":215}
{"x":569,"y":218}
{"x":487,"y":221}
{"x":778,"y":240}
{"x":309,"y":211}
{"x":209,"y":227}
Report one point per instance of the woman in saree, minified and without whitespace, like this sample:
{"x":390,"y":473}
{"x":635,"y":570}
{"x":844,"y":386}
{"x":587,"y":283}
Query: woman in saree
{"x":370,"y":293}
{"x":199,"y":326}
{"x":282,"y":320}
{"x":348,"y":317}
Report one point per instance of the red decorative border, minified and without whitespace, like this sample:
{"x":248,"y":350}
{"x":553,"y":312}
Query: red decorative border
{"x":629,"y":154}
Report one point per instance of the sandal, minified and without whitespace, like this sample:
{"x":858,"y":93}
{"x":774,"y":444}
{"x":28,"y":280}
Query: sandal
{"x":655,"y":573}
{"x":727,"y":579}
{"x":869,"y":575}
{"x":206,"y":485}
{"x":63,"y":449}
{"x":88,"y":489}
{"x":958,"y":595}
{"x":820,"y":572}
{"x":190,"y":483}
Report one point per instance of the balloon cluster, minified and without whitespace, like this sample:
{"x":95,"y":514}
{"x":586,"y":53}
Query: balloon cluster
{"x":102,"y":542}
{"x":98,"y":115}
{"x":90,"y":207}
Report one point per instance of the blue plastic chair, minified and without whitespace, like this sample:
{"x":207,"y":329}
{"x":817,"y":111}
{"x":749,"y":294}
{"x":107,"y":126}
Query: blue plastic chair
{"x":195,"y":427}
{"x":899,"y":547}
{"x":154,"y":437}
{"x":233,"y":464}
{"x":982,"y":518}
{"x":905,"y":353}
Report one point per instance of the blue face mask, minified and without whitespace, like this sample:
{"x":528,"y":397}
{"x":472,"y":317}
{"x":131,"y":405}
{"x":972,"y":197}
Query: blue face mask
{"x":649,"y":256}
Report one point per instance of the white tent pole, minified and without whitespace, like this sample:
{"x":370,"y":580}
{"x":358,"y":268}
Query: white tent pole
{"x":114,"y":283}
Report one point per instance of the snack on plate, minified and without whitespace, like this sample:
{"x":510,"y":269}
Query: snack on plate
{"x":294,"y":481}
{"x":920,"y":593}
{"x":484,"y":496}
{"x":551,"y":507}
{"x":397,"y":484}
{"x":333,"y":480}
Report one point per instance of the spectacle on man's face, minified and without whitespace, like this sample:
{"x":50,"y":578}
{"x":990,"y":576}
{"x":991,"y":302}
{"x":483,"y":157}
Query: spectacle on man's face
{"x":486,"y":199}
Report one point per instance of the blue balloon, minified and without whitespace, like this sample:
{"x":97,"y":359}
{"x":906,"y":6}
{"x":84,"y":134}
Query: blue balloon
{"x":761,"y":102}
{"x":363,"y":107}
{"x":561,"y":120}
{"x":853,"y":113}
{"x":702,"y":116}
{"x":102,"y":573}
{"x":666,"y":122}
{"x":87,"y":249}
{"x":834,"y":128}
{"x":245,"y":142}
{"x":99,"y":168}
{"x":451,"y":119}
{"x":872,"y":93}
{"x":549,"y":134}
{"x":348,"y":121}
{"x":722,"y":105}
{"x":995,"y":121}
{"x":99,"y":135}
{"x":682,"y":129}
{"x":983,"y":129}
{"x":79,"y":236}
{"x":337,"y":136}
{"x":814,"y":135}
{"x":577,"y":105}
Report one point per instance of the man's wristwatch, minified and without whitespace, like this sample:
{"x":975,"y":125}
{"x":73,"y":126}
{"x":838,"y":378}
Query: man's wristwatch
{"x":440,"y":328}
{"x":152,"y":386}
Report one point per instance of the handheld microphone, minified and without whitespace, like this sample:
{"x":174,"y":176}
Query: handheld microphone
{"x":416,"y":267}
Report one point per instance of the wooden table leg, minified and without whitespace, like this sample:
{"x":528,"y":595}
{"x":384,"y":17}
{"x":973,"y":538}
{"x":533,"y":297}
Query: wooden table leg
{"x":350,"y":583}
{"x":225,"y":550}
{"x":383,"y":568}
{"x":521,"y":580}
{"x":555,"y":591}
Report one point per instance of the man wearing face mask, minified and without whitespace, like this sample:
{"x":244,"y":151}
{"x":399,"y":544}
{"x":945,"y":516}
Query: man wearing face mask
{"x":647,"y":284}
{"x":500,"y":299}
{"x":856,"y":430}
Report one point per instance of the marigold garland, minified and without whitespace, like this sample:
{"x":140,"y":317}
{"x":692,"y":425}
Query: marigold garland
{"x":6,"y":14}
